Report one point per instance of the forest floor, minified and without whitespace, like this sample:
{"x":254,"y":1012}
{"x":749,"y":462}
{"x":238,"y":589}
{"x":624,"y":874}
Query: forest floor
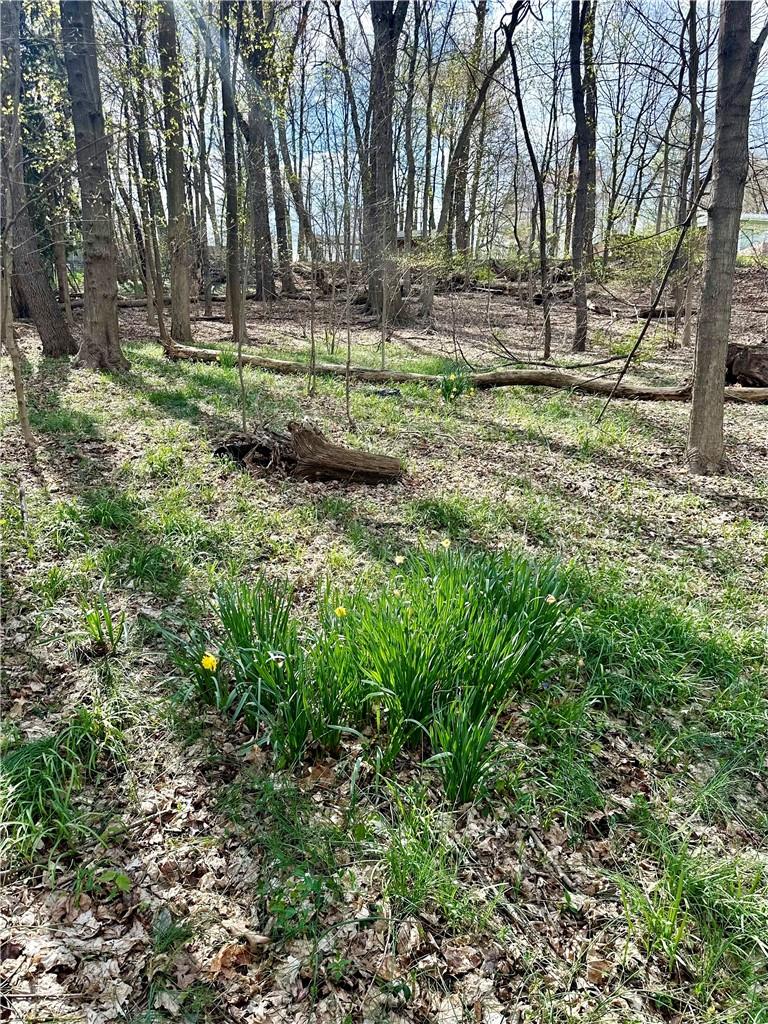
{"x":617,"y":872}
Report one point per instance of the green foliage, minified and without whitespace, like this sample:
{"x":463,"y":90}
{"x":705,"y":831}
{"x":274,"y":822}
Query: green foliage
{"x":641,"y":259}
{"x":450,"y":628}
{"x":39,"y":781}
{"x":104,"y":630}
{"x":301,"y":851}
{"x":464,"y":753}
{"x":420,"y":862}
{"x":702,"y":909}
{"x":455,"y":384}
{"x":636,"y":651}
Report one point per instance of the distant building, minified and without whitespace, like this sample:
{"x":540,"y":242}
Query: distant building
{"x":753,"y":234}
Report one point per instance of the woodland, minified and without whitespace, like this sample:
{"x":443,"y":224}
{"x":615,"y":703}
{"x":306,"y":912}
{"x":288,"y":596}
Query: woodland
{"x":384,"y":497}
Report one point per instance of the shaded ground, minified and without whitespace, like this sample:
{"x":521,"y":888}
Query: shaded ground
{"x":208,"y":886}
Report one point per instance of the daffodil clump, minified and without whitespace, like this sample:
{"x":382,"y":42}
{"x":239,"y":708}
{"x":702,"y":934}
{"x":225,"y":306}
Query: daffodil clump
{"x":436,"y":655}
{"x":454,"y":385}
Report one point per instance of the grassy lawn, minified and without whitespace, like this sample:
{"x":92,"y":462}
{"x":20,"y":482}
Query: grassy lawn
{"x":487,"y":745}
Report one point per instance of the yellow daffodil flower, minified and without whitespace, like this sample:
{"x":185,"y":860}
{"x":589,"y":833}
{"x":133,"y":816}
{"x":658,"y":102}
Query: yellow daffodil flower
{"x":209,"y":662}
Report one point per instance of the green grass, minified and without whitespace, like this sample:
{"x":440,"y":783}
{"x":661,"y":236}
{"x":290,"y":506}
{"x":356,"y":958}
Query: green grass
{"x":303,"y":853}
{"x":705,"y":915}
{"x":40,"y":780}
{"x":654,"y":678}
{"x":421,"y":865}
{"x":448,"y":627}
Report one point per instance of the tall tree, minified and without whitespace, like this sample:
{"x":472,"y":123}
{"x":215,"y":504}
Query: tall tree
{"x":178,"y":219}
{"x":257,"y":52}
{"x":100,"y":347}
{"x":737,"y":60}
{"x":460,"y":150}
{"x":541,"y":210}
{"x":581,"y":38}
{"x":375,"y":149}
{"x":462,"y":168}
{"x":30,"y":277}
{"x":232,"y":215}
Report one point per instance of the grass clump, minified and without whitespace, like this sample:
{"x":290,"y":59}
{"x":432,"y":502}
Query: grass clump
{"x":638,"y":652}
{"x":420,"y":863}
{"x":449,"y":630}
{"x":39,"y":781}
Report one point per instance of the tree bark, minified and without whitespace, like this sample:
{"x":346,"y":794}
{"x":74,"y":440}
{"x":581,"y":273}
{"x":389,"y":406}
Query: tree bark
{"x":544,"y":377}
{"x":582,"y":90}
{"x":737,"y":66}
{"x":100,"y":347}
{"x":380,"y":229}
{"x":234,"y":282}
{"x":304,"y":452}
{"x":462,"y":170}
{"x":29,"y":276}
{"x":541,"y":209}
{"x":178,"y":218}
{"x":256,"y":53}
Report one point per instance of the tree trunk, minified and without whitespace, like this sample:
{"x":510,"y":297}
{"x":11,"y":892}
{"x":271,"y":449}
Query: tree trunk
{"x":545,"y":377}
{"x":541,"y":209}
{"x":230,"y":173}
{"x":581,"y":35}
{"x":256,"y":53}
{"x":410,"y":157}
{"x":380,"y":229}
{"x":462,"y":170}
{"x":737,"y":65}
{"x":100,"y":347}
{"x":178,"y":218}
{"x":284,"y":254}
{"x":30,"y":278}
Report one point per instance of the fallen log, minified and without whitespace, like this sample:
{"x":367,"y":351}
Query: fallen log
{"x":546,"y":378}
{"x":747,"y":365}
{"x":656,"y":312}
{"x":305,"y":453}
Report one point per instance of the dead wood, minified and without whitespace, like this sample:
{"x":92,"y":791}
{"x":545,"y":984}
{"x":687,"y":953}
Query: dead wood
{"x":305,"y":453}
{"x":747,"y":365}
{"x":547,"y":378}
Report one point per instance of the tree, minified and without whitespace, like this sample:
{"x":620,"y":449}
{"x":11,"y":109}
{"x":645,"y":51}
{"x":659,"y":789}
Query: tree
{"x":100,"y":347}
{"x":462,"y":168}
{"x":737,"y":59}
{"x":519,"y":12}
{"x":257,"y":56}
{"x":230,"y":171}
{"x":461,"y":149}
{"x":375,"y":148}
{"x":178,"y":220}
{"x":585,"y":114}
{"x":30,"y":277}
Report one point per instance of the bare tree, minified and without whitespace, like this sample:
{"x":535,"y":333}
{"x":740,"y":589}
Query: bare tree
{"x":100,"y":347}
{"x":30,"y":277}
{"x":737,"y":61}
{"x":584,"y":111}
{"x":178,"y":219}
